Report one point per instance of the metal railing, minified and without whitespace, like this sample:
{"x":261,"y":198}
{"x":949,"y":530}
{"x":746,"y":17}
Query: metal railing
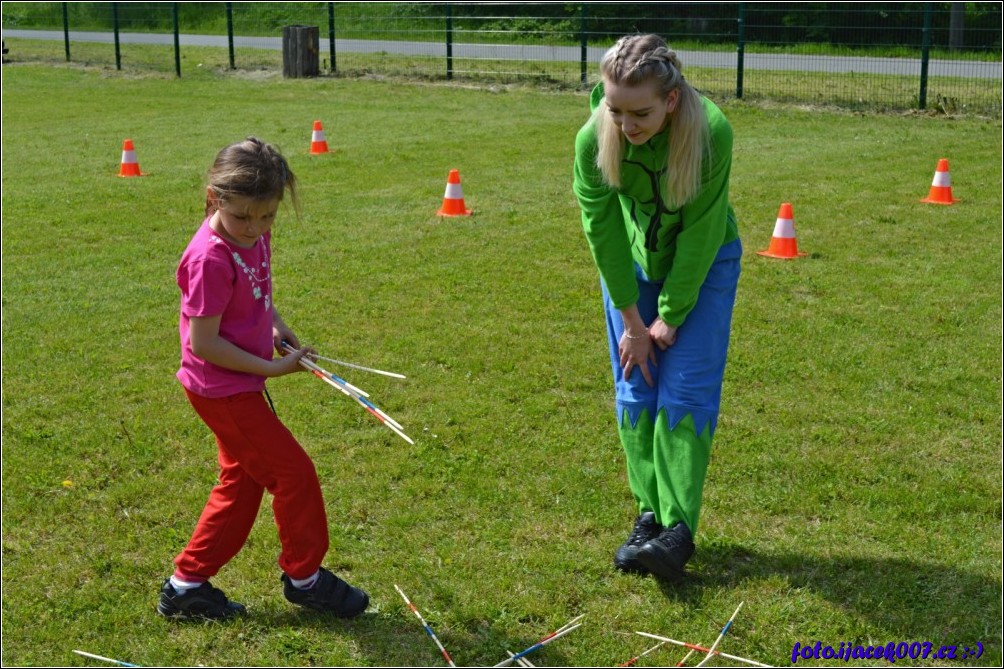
{"x":904,"y":56}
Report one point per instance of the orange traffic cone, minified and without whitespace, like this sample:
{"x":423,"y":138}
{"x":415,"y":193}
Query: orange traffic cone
{"x":783,"y":243}
{"x":941,"y":187}
{"x":317,"y":142}
{"x":453,"y":200}
{"x":129,"y":166}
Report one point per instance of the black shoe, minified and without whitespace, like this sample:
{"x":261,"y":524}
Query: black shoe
{"x":329,"y":594}
{"x":666,"y":554}
{"x":645,"y":529}
{"x":202,"y":603}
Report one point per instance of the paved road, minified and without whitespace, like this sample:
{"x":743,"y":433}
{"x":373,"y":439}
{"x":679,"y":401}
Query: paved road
{"x":724,"y":60}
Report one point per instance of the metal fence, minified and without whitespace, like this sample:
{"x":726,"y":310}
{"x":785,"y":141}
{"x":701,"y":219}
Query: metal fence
{"x":863,"y":55}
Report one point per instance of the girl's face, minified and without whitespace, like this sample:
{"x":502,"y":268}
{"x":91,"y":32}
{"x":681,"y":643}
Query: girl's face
{"x":639,"y":111}
{"x":242,"y":220}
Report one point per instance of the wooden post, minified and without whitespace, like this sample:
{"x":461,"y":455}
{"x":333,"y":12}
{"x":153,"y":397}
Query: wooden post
{"x":300,"y":51}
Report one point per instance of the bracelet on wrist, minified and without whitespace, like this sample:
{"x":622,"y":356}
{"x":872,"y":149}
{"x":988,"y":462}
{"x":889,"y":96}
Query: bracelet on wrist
{"x":630,"y":336}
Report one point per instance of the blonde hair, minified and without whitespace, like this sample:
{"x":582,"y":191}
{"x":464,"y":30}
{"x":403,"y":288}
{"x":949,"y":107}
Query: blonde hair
{"x":254,"y":169}
{"x":639,"y":59}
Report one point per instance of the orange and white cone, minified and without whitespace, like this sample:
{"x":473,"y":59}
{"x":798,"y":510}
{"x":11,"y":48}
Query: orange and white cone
{"x":783,"y":243}
{"x":941,"y":187}
{"x":129,"y":166}
{"x":453,"y":200}
{"x":317,"y":142}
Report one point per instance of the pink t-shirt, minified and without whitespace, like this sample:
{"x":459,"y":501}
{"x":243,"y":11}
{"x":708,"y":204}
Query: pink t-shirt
{"x":218,"y":278}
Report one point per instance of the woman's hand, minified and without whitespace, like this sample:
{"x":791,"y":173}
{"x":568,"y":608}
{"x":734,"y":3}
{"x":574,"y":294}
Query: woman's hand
{"x":662,"y":334}
{"x":636,"y":350}
{"x":635,"y":346}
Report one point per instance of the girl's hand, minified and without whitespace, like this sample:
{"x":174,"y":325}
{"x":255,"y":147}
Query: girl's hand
{"x":637,"y":351}
{"x":288,"y":363}
{"x":662,"y":334}
{"x":282,"y":334}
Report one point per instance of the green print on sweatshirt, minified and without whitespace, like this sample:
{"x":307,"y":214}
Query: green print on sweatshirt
{"x":634,"y":224}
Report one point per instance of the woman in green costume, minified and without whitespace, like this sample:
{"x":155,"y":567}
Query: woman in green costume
{"x":652,"y":172}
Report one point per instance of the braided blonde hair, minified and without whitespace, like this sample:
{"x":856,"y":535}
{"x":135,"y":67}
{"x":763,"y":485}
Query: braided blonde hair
{"x":639,"y":59}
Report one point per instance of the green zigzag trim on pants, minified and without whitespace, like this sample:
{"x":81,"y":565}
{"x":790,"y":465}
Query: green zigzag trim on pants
{"x":666,"y":468}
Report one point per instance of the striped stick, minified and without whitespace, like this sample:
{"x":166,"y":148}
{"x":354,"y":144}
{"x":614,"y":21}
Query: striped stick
{"x":523,"y":662}
{"x":702,"y":649}
{"x":558,"y":632}
{"x":352,"y":392}
{"x":106,"y":659}
{"x":428,"y":629}
{"x":355,"y":393}
{"x":638,"y":657}
{"x":554,"y":636}
{"x":721,"y":636}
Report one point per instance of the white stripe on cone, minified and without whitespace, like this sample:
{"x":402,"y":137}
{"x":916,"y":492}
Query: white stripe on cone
{"x":942,"y":179}
{"x":317,"y":136}
{"x":129,"y":157}
{"x":784,"y":228}
{"x":454,"y":192}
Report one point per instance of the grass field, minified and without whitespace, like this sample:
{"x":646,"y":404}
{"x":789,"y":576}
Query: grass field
{"x":854,"y":493}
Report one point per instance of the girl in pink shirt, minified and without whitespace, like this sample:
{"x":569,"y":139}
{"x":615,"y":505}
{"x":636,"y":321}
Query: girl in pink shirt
{"x":229,"y":328}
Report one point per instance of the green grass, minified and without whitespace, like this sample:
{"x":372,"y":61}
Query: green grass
{"x":854,"y":491}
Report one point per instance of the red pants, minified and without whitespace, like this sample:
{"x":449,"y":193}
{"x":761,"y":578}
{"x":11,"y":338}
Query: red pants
{"x":256,"y":453}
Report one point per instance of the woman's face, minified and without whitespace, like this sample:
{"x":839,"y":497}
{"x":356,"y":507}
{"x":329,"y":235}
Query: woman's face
{"x":639,"y":111}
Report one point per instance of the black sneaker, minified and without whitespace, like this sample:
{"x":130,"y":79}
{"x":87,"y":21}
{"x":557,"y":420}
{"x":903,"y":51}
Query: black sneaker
{"x":666,"y":554}
{"x":645,"y":529}
{"x":330,"y":594}
{"x":202,"y":603}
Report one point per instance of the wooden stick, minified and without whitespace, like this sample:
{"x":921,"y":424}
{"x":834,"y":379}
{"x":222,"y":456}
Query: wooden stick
{"x":523,"y":662}
{"x":721,"y":636}
{"x":638,"y":657}
{"x":105,"y":659}
{"x":360,"y":367}
{"x":702,"y":649}
{"x":554,"y":636}
{"x":425,"y":625}
{"x":352,"y":392}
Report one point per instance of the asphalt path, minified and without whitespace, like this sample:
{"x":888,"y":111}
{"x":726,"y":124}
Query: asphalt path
{"x":714,"y":59}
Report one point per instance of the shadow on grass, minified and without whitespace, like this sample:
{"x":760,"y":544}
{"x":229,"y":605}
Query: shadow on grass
{"x":913,"y":600}
{"x":387,"y":640}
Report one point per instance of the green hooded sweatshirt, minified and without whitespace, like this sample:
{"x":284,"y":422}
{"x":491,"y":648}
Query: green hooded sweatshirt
{"x":634,"y":224}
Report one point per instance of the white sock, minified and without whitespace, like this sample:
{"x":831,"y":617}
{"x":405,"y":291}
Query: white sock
{"x":305,"y":583}
{"x":183,"y":586}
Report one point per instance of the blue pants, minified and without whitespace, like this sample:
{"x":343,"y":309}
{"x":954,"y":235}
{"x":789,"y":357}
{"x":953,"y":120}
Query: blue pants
{"x":666,"y":430}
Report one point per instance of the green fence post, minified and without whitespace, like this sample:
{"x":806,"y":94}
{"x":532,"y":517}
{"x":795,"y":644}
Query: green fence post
{"x":925,"y":55}
{"x":115,"y":25}
{"x":740,"y":49}
{"x":449,"y":41}
{"x":331,"y":34}
{"x":585,"y":46}
{"x":230,"y":33}
{"x":66,"y":31}
{"x":177,"y":42}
